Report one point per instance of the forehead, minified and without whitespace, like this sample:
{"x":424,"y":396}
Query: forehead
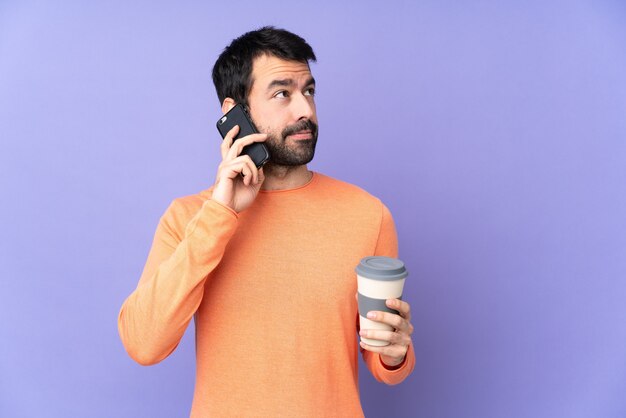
{"x":268,"y":68}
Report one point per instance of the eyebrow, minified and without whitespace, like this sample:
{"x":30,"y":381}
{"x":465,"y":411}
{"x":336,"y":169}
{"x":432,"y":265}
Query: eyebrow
{"x":288,"y":82}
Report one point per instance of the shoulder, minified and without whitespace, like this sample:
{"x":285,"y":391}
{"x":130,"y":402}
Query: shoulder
{"x":356,"y":213}
{"x":344,"y":190}
{"x":354,"y":197}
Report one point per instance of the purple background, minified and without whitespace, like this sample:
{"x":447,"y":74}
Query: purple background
{"x":496,"y":134}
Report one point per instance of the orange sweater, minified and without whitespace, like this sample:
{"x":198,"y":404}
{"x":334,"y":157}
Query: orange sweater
{"x":273,"y":294}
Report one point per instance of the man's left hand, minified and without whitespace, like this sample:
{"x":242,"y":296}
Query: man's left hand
{"x":400,"y":336}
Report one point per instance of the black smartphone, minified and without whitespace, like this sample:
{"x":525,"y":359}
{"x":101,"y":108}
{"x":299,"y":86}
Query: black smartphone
{"x":238,"y":115}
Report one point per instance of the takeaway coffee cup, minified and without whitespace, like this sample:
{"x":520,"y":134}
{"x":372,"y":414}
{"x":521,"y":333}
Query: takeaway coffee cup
{"x":379,"y":278}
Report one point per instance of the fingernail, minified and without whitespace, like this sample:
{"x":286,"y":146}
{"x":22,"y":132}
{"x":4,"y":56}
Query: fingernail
{"x":371,"y":315}
{"x":362,"y":333}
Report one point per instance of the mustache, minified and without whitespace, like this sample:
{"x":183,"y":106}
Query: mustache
{"x":303,"y":125}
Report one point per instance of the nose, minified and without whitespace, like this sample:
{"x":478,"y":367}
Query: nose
{"x":303,"y":106}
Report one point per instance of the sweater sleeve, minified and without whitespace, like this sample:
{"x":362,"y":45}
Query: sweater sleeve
{"x":387,"y":245}
{"x":154,"y":317}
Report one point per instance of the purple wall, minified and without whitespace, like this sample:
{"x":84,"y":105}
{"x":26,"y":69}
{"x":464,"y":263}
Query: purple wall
{"x":495,"y":133}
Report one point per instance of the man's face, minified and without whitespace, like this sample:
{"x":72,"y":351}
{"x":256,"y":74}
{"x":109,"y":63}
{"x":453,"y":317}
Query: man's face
{"x":282,"y":105}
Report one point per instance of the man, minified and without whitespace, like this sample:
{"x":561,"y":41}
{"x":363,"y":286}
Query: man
{"x":264,"y":260}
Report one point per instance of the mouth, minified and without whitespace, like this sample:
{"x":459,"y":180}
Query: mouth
{"x":301,"y":135}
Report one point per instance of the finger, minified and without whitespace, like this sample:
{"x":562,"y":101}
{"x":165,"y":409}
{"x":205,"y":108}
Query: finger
{"x":233,"y":168}
{"x":401,"y":306}
{"x":251,"y":167}
{"x":389,"y":336}
{"x":235,"y":149}
{"x":395,"y":321}
{"x":392,"y":350}
{"x":228,"y":141}
{"x":246,"y":174}
{"x":239,"y":144}
{"x":248,"y":169}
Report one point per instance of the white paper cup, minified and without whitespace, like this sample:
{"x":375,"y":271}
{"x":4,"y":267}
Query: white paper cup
{"x":378,"y":279}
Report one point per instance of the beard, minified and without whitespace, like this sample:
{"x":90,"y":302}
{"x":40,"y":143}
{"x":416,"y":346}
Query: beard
{"x":293,"y":154}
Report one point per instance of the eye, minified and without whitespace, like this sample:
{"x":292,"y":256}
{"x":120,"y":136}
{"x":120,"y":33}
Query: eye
{"x":310,"y":91}
{"x":282,"y":94}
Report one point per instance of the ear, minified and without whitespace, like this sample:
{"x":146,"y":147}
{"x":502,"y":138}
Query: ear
{"x":227,"y":104}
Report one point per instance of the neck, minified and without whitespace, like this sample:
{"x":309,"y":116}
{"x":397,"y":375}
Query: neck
{"x":280,"y":177}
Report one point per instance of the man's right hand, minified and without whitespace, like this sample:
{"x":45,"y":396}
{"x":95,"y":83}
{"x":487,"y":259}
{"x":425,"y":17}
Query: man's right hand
{"x":238,"y":181}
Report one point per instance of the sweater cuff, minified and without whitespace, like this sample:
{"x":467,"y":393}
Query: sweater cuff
{"x":213,"y":215}
{"x":231,"y":210}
